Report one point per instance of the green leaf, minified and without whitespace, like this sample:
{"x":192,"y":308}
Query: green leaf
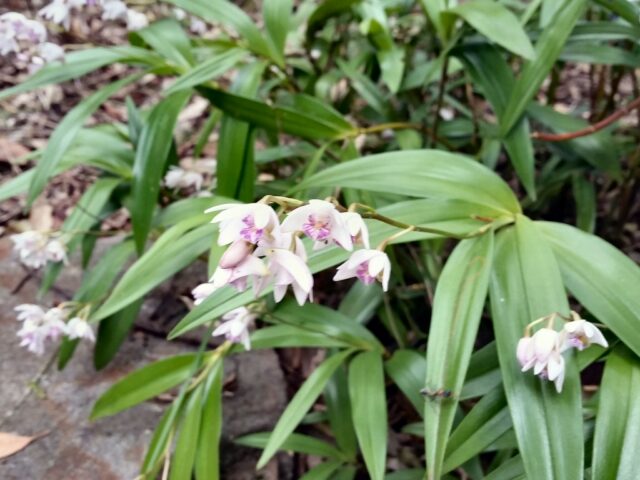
{"x":320,"y":319}
{"x":323,"y":471}
{"x":168,"y":39}
{"x":302,"y":401}
{"x":457,"y":307}
{"x":144,"y":384}
{"x":277,"y":119}
{"x":112,"y":332}
{"x":454,"y":216}
{"x":601,"y":277}
{"x":434,"y":9}
{"x":65,"y":133}
{"x":97,"y":281}
{"x":208,"y":70}
{"x":617,"y":434}
{"x":150,"y":164}
{"x":627,"y":10}
{"x":584,"y":195}
{"x":76,"y":64}
{"x":288,"y":336}
{"x":490,"y":71}
{"x":407,"y":369}
{"x":236,"y":169}
{"x":497,"y":23}
{"x":548,"y":48}
{"x":361,"y":302}
{"x":487,"y":421}
{"x":336,"y":398}
{"x":295,"y":443}
{"x":277,"y":20}
{"x":421,"y":173}
{"x":229,"y":14}
{"x":599,"y":54}
{"x":369,"y":410}
{"x":512,"y":469}
{"x":207,"y":465}
{"x":526,"y":285}
{"x":184,"y":455}
{"x":175,"y":249}
{"x":328,"y":9}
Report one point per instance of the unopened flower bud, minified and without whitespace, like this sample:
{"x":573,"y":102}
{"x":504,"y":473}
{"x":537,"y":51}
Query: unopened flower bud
{"x":235,"y":254}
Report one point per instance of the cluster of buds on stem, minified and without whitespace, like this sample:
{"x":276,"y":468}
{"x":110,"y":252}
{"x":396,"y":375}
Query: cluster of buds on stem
{"x":266,"y":252}
{"x":191,"y":174}
{"x":26,"y":41}
{"x":59,"y":12}
{"x":542,"y":351}
{"x":35,"y":248}
{"x":40,"y":326}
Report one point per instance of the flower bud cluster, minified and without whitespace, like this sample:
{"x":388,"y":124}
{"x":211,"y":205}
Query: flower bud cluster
{"x":543,"y":350}
{"x":36,"y":248}
{"x":40,"y":326}
{"x":191,"y":174}
{"x":26,"y":41}
{"x":265,"y":252}
{"x":59,"y":12}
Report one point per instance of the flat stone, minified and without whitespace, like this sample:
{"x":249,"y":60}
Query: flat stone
{"x":113,"y":448}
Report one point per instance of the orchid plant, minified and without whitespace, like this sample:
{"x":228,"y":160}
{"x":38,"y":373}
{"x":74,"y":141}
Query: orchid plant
{"x":409,"y":149}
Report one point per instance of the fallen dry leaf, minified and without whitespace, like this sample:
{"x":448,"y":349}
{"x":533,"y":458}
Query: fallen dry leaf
{"x":11,"y":443}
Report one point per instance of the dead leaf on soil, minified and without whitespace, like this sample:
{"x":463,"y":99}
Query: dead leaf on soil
{"x":11,"y":443}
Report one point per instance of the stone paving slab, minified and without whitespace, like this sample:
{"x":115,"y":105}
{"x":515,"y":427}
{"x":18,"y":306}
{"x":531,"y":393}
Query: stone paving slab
{"x":113,"y":448}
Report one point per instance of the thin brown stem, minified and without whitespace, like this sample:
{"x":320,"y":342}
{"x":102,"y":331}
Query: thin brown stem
{"x":591,"y":129}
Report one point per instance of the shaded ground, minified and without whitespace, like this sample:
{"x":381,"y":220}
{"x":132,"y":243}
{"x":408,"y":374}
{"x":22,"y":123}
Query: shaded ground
{"x":113,"y":448}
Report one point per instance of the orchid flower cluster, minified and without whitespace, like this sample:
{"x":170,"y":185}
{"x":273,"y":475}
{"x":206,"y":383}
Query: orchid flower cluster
{"x":27,"y":40}
{"x":59,"y":12}
{"x":40,"y":326}
{"x":35,"y":248}
{"x":543,"y":350}
{"x":191,"y":174}
{"x":265,"y":252}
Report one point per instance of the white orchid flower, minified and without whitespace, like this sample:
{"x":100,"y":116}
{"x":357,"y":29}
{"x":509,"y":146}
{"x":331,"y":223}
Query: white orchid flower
{"x":237,"y":276}
{"x":136,"y":20}
{"x":235,"y":326}
{"x":79,"y":328}
{"x":357,"y":228}
{"x":368,"y":266}
{"x":202,"y":292}
{"x":57,"y":12}
{"x":29,"y":312}
{"x":113,"y":10}
{"x":178,"y":177}
{"x":320,"y":221}
{"x":252,"y":222}
{"x":580,"y":334}
{"x":287,"y":265}
{"x":39,"y":326}
{"x":542,"y":352}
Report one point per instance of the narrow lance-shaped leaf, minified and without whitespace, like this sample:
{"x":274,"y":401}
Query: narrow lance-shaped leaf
{"x":300,"y":404}
{"x":167,"y":37}
{"x":144,"y":384}
{"x":548,"y":47}
{"x":277,"y":19}
{"x":65,"y":133}
{"x":207,"y":465}
{"x":491,"y":72}
{"x":369,"y":410}
{"x":526,"y":285}
{"x":497,"y":23}
{"x":228,"y":13}
{"x":601,"y":277}
{"x":236,"y":166}
{"x":150,"y":163}
{"x":457,"y":308}
{"x":188,"y":438}
{"x":76,"y":64}
{"x":617,"y":434}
